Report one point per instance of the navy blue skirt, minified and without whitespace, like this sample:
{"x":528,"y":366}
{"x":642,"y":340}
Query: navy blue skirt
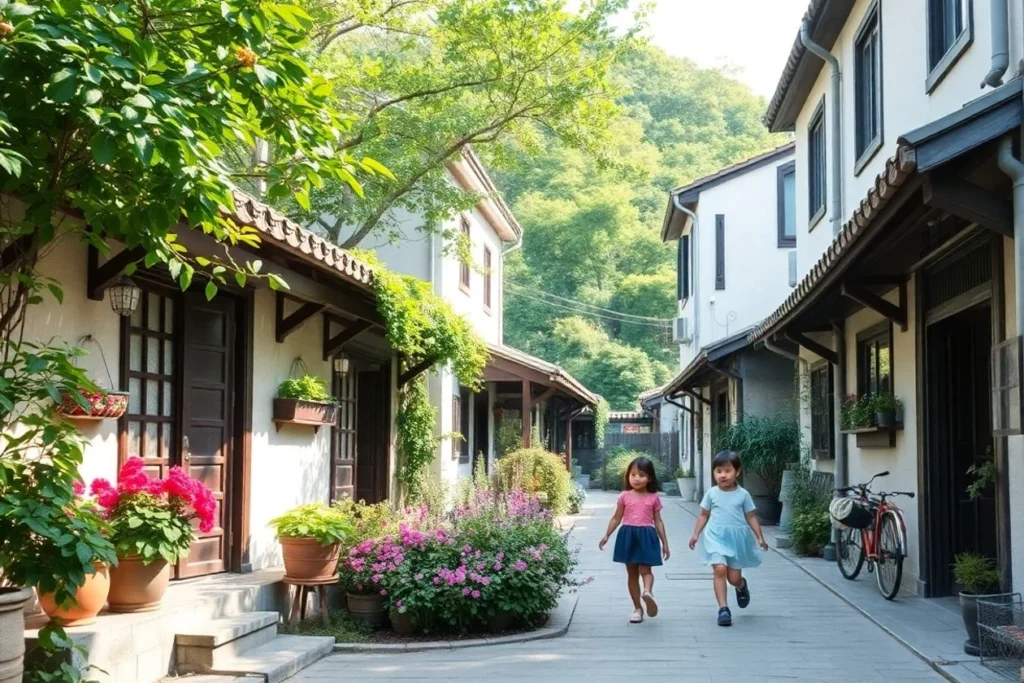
{"x":638,"y":545}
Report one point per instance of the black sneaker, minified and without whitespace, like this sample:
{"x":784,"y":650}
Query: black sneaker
{"x":724,"y":617}
{"x":743,"y":595}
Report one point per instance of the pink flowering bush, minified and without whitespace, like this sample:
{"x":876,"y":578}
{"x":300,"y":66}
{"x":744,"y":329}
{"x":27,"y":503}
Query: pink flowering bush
{"x":153,"y":518}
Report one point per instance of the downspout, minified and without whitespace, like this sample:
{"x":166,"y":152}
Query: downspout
{"x":837,"y":137}
{"x":695,"y":263}
{"x":515,"y":246}
{"x":998,"y":16}
{"x":1012,"y":167}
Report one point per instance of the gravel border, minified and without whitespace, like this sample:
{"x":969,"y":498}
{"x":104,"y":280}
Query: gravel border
{"x":557,"y":626}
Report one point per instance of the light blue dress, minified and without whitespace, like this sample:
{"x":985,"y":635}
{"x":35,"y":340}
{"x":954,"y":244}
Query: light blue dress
{"x":728,"y":539}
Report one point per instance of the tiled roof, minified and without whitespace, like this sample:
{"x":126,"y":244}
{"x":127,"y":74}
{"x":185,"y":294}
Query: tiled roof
{"x":897,"y":169}
{"x":251,"y":212}
{"x":556,"y":374}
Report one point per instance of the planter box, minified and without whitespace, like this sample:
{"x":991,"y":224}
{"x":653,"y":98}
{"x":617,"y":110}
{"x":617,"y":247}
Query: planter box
{"x":874,"y":436}
{"x":101,"y":406}
{"x":299,"y":412}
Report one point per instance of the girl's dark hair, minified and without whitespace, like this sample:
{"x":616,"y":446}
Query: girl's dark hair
{"x":723,"y":458}
{"x":647,"y":467}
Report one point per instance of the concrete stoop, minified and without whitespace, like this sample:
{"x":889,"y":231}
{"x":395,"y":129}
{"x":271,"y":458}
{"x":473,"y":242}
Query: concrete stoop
{"x":247,"y":645}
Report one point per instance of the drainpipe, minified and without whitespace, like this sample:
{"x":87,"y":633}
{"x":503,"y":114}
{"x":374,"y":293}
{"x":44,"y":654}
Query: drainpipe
{"x":515,"y":246}
{"x":1012,"y":167}
{"x":998,"y":16}
{"x":837,"y":138}
{"x":695,"y":262}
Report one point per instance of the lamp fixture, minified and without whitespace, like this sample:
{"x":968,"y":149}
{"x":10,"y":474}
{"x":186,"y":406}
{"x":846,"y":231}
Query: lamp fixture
{"x":341,"y":364}
{"x":124,"y":297}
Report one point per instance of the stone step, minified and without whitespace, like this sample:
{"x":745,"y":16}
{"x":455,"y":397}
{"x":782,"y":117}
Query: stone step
{"x":201,"y":648}
{"x":279,"y":659}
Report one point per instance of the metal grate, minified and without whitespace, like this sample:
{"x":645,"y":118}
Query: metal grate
{"x":954,"y":277}
{"x":1001,"y":631}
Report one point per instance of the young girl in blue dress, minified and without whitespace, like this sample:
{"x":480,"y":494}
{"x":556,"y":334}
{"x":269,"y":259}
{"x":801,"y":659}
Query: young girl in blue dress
{"x":641,"y":542}
{"x":731,"y":533}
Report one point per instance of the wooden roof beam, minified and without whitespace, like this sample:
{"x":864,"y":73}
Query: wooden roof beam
{"x":814,"y":347}
{"x":897,"y":313}
{"x":970,"y":202}
{"x":333,"y":345}
{"x":285,"y":325}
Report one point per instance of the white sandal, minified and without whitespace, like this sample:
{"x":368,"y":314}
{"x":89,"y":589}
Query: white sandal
{"x":638,"y":616}
{"x":652,"y":606}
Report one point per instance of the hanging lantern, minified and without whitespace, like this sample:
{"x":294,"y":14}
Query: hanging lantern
{"x":124,"y":297}
{"x":341,"y":365}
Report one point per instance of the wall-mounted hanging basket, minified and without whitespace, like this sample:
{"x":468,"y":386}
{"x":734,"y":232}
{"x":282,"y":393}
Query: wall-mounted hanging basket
{"x":100,"y":405}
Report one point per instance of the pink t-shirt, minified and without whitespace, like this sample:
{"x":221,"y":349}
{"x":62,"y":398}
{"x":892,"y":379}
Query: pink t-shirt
{"x":639,"y":508}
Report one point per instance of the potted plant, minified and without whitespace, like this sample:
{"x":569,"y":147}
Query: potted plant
{"x":687,"y":482}
{"x":886,"y":408}
{"x":767,"y":446}
{"x":978,"y":579}
{"x":366,"y":574}
{"x":305,"y":400}
{"x":310,"y":536}
{"x":94,"y":405}
{"x":150,"y":523}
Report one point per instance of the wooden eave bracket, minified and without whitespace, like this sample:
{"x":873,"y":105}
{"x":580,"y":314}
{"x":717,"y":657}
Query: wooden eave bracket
{"x":897,"y":313}
{"x":806,"y":342}
{"x":284,"y":325}
{"x":334,"y":344}
{"x":415,"y":371}
{"x":970,"y":202}
{"x":697,"y":397}
{"x":548,"y":393}
{"x":100,"y":277}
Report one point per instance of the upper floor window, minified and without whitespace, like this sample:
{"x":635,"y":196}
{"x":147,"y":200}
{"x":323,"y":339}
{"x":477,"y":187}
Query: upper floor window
{"x":816,"y":164}
{"x":787,"y":204}
{"x":950,"y":32}
{"x":868,"y":88}
{"x":488,"y":278}
{"x":874,"y":361}
{"x":683,"y":269}
{"x":464,"y":265}
{"x":719,"y":251}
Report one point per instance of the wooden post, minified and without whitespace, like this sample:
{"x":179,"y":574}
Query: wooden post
{"x":527,"y":407}
{"x":568,"y":443}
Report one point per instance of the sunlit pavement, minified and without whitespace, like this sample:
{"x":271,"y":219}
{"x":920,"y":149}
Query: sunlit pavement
{"x":794,"y":630}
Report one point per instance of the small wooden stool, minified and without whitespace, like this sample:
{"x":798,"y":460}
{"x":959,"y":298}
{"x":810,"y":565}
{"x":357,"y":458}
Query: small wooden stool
{"x":303,"y":587}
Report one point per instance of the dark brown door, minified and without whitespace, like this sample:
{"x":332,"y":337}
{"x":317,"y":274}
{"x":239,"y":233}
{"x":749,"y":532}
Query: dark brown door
{"x":208,"y":344}
{"x":343,"y":436}
{"x":373,"y":435}
{"x":481,"y":437}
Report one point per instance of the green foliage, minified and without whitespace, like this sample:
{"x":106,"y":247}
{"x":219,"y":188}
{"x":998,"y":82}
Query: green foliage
{"x":58,"y":659}
{"x":328,"y":525}
{"x":601,"y":411}
{"x":343,"y":628}
{"x":366,"y":521}
{"x":767,"y":446}
{"x":536,"y":470}
{"x":417,"y":443}
{"x":811,"y":529}
{"x":613,"y":474}
{"x":509,"y":437}
{"x":976,"y":574}
{"x":680,"y":473}
{"x":577,"y":496}
{"x":981,"y":477}
{"x":143,"y":525}
{"x":857,"y":412}
{"x":803,"y":495}
{"x":306,"y":388}
{"x":886,"y":402}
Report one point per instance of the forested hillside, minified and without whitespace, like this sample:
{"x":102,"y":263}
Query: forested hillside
{"x":593,"y":280}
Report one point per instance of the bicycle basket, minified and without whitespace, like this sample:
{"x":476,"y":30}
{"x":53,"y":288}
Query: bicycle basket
{"x":850,"y":513}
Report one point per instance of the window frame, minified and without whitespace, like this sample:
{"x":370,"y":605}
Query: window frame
{"x":829,"y":452}
{"x":937,"y":68}
{"x":816,"y":213}
{"x":870,"y":29}
{"x":464,"y":269}
{"x":782,"y":172}
{"x":866,"y":338}
{"x":488,"y":279}
{"x":683,"y":269}
{"x":719,"y":252}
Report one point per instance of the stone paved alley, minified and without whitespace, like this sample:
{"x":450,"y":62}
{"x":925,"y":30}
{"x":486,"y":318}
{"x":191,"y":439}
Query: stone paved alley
{"x":794,"y":630}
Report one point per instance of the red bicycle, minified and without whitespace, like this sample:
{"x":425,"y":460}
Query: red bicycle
{"x":874,"y":530}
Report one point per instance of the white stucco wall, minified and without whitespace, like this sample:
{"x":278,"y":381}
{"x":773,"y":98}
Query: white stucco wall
{"x":905,"y":103}
{"x":470,"y":303}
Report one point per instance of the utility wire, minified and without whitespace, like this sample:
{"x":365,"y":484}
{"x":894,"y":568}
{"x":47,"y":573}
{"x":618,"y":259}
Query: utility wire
{"x":664,"y":325}
{"x":639,"y":318}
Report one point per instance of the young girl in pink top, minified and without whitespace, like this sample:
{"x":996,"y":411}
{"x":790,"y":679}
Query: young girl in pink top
{"x":637,"y":543}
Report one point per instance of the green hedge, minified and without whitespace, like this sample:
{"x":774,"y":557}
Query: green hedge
{"x":613,"y":474}
{"x":536,"y":470}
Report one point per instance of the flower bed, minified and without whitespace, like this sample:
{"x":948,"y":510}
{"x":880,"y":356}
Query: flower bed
{"x":499,"y":565}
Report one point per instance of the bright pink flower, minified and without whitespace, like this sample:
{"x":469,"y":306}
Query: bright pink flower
{"x":485,"y":580}
{"x":498,"y":566}
{"x":78,"y":487}
{"x":383,"y":591}
{"x":519,"y":566}
{"x":465,"y":592}
{"x":419,"y":577}
{"x":476,"y":595}
{"x":437,"y":580}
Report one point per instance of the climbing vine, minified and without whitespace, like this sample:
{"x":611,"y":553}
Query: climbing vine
{"x":417,"y":442}
{"x":600,"y":421}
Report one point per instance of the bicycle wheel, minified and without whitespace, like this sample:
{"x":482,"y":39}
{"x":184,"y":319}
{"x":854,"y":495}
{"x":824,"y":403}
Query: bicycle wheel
{"x":889,"y":568}
{"x":850,"y":553}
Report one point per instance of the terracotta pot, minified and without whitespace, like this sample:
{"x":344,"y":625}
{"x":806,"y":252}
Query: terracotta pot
{"x":297,"y":411}
{"x":367,"y":608}
{"x":401,"y":623}
{"x":306,"y":559}
{"x":101,"y":406}
{"x":89,"y":600}
{"x":137,"y":587}
{"x":12,"y":633}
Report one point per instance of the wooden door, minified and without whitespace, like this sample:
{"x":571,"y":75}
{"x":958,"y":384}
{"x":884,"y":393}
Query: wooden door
{"x":343,"y":436}
{"x":208,"y":345}
{"x":373,"y":435}
{"x":481,"y":435}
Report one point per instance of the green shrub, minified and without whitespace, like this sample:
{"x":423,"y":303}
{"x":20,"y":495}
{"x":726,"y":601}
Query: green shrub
{"x":767,"y":446}
{"x":811,"y":530}
{"x":576,"y":499}
{"x":305,"y":388}
{"x":536,"y":470}
{"x":313,"y":520}
{"x":613,"y":474}
{"x":367,"y":521}
{"x":976,"y":574}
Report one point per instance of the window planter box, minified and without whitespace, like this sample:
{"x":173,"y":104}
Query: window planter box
{"x":298,"y":412}
{"x":875,"y":437}
{"x":109,"y":406}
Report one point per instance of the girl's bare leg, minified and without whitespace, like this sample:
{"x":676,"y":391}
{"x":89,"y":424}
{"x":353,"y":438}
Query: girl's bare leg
{"x":736,"y":577}
{"x":721,"y":574}
{"x":633,"y":579}
{"x":648,"y":578}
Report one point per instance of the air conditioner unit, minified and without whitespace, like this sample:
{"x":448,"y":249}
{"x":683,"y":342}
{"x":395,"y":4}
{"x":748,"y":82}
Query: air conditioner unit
{"x":681,"y":331}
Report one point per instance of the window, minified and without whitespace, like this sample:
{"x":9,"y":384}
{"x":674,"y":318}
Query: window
{"x":719,"y":251}
{"x":464,"y":266}
{"x":868,"y":88}
{"x":458,"y":442}
{"x":488,"y":279}
{"x":683,"y":269}
{"x":343,"y":436}
{"x":950,"y":33}
{"x":816,"y":164}
{"x":874,"y":361}
{"x":822,"y":415}
{"x":787,"y":204}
